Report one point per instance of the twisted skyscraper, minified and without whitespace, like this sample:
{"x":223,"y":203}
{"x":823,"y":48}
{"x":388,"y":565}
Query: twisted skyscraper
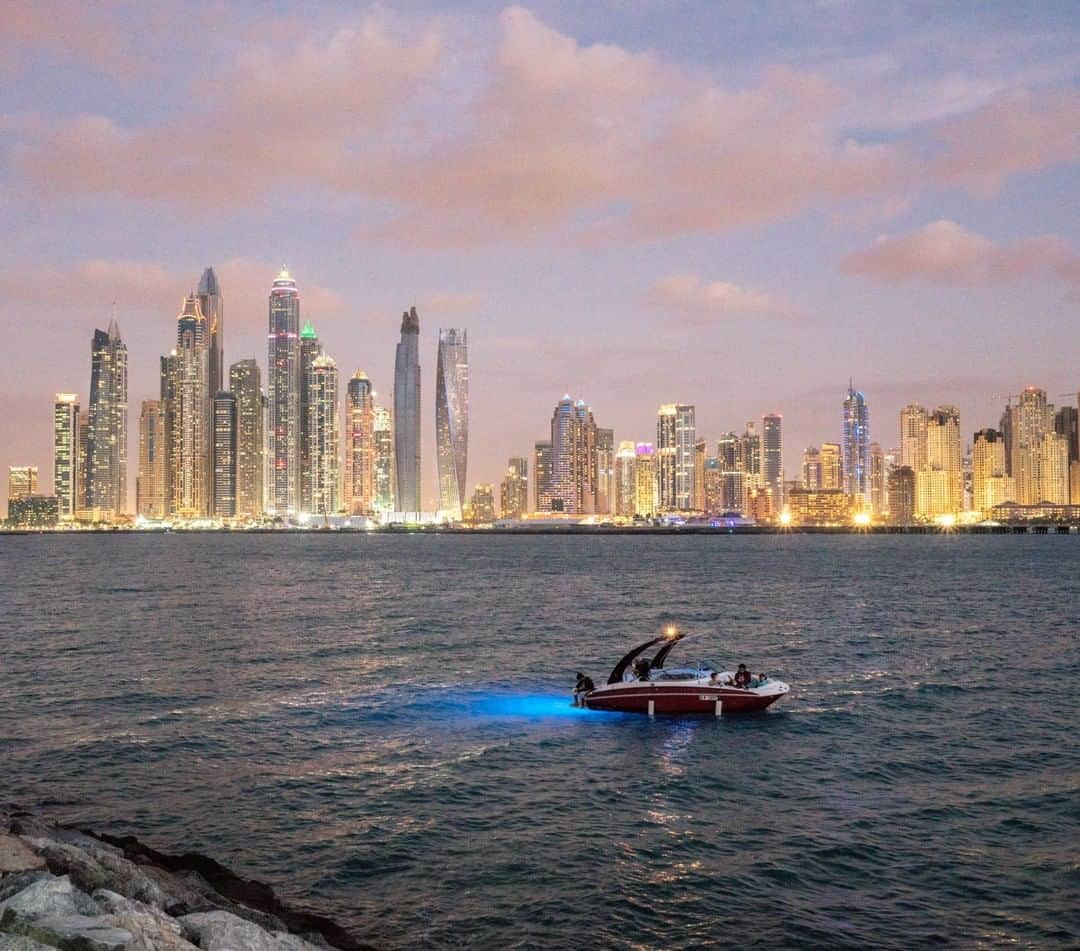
{"x":106,"y":429}
{"x":407,"y":414}
{"x":452,"y":419}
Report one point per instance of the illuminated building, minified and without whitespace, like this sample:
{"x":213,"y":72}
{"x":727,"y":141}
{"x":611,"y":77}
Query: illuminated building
{"x":821,"y":507}
{"x":542,"y":476}
{"x":282,"y":491}
{"x":66,"y":454}
{"x":646,"y":502}
{"x":625,"y":480}
{"x":452,"y":420}
{"x":310,"y":350}
{"x":676,"y":435}
{"x":212,"y":305}
{"x":699,"y":474}
{"x":150,"y":487}
{"x":245,"y":384}
{"x":33,"y":511}
{"x":82,"y":513}
{"x":856,"y":447}
{"x":514,"y":490}
{"x":939,"y":484}
{"x":1050,"y":469}
{"x":712,"y":487}
{"x":359,"y":494}
{"x":1067,"y":423}
{"x":1074,"y":483}
{"x":772,"y":459}
{"x":572,"y":483}
{"x":22,"y":481}
{"x":106,"y":426}
{"x":323,"y":435}
{"x":385,"y":500}
{"x":913,"y":423}
{"x":191,"y":439}
{"x":407,"y":446}
{"x":225,"y":454}
{"x":831,"y":466}
{"x":483,"y":504}
{"x":729,"y":455}
{"x":901,"y":490}
{"x":811,"y":469}
{"x":750,"y":460}
{"x":1030,"y":420}
{"x":605,"y":471}
{"x":991,"y":485}
{"x":879,"y":502}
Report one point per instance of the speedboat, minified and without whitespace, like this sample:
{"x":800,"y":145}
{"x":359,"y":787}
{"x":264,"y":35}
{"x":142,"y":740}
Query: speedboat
{"x":640,"y":685}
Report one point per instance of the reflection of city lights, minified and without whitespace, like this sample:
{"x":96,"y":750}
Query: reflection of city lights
{"x":862,"y":519}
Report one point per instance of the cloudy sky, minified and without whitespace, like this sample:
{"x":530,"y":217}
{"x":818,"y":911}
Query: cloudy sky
{"x":738,"y":205}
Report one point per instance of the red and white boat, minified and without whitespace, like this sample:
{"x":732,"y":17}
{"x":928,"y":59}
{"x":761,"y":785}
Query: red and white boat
{"x":639,"y":685}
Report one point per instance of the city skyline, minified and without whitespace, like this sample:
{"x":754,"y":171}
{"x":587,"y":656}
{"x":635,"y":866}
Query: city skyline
{"x":924,"y":246}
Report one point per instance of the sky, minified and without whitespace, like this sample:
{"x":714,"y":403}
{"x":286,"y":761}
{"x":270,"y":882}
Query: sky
{"x":736,"y":205}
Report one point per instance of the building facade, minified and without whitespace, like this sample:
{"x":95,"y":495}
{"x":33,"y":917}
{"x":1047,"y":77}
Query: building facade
{"x":514,"y":490}
{"x":225,"y":454}
{"x":385,"y":491}
{"x":676,"y":436}
{"x":772,"y":459}
{"x":282,"y":491}
{"x":542,"y":473}
{"x":625,"y":479}
{"x":991,"y":483}
{"x":646,"y":504}
{"x":856,"y":447}
{"x":323,"y":436}
{"x":901,"y":489}
{"x":245,"y":384}
{"x":150,"y":487}
{"x":105,"y":465}
{"x":66,"y":454}
{"x":359,"y":439}
{"x":192,"y":439}
{"x":407,"y":392}
{"x":452,"y":420}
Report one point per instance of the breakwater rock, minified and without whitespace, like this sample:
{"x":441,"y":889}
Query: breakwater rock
{"x":77,"y":890}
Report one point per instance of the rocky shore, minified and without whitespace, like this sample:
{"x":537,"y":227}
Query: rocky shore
{"x":76,"y":890}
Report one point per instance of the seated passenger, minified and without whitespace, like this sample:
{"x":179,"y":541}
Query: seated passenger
{"x":642,"y":666}
{"x":742,"y":677}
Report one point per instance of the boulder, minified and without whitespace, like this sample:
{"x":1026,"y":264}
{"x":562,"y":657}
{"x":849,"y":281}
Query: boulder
{"x":224,"y":931}
{"x":50,"y":896}
{"x":153,"y":929}
{"x":18,"y":942}
{"x":64,"y":859}
{"x":71,"y":932}
{"x":17,"y":856}
{"x":11,"y":884}
{"x":129,"y":879}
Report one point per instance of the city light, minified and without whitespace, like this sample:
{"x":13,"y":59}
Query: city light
{"x":862,"y":519}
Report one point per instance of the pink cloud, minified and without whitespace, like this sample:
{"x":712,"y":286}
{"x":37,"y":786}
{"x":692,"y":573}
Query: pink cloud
{"x":944,"y":252}
{"x":697,"y":301}
{"x":452,"y":302}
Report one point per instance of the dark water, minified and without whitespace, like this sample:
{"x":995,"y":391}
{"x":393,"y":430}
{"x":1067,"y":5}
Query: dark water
{"x":379,"y":727}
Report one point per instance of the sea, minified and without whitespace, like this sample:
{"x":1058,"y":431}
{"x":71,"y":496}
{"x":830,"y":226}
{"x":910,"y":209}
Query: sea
{"x":380,"y":727}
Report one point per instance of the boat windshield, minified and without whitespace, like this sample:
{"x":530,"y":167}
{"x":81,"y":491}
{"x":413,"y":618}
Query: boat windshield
{"x":675,"y":675}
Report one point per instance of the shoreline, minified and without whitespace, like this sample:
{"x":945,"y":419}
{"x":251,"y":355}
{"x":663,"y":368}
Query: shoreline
{"x":64,"y":886}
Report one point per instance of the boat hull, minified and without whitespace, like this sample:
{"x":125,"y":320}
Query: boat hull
{"x":681,"y":699}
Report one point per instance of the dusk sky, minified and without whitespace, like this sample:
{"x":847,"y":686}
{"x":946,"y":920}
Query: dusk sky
{"x":736,"y":205}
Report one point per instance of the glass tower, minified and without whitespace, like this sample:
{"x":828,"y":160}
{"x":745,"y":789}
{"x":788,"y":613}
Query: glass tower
{"x":856,"y":447}
{"x":452,"y":419}
{"x":283,"y":490}
{"x":407,"y":414}
{"x":106,"y":430}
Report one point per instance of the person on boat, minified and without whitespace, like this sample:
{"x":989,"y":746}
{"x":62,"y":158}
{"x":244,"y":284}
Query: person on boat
{"x":583,"y":684}
{"x":742,"y":677}
{"x":642,"y":666}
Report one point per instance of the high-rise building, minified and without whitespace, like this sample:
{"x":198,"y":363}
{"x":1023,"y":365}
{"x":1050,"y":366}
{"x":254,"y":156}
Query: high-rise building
{"x":22,"y":482}
{"x":1050,"y":469}
{"x":733,"y":478}
{"x":225,"y":454}
{"x":832,"y":466}
{"x":190,"y":418}
{"x":82,"y":511}
{"x":1031,"y":418}
{"x":212,"y":305}
{"x":713,"y":487}
{"x":811,"y":469}
{"x":66,"y":454}
{"x":772,"y":459}
{"x":407,"y":415}
{"x":913,"y":422}
{"x":1067,"y":423}
{"x":245,"y":384}
{"x":676,"y":435}
{"x":939,"y":485}
{"x":452,"y":419}
{"x":106,"y":427}
{"x":700,"y":453}
{"x":991,"y":485}
{"x":605,"y":471}
{"x":901,"y":490}
{"x":359,"y":491}
{"x":310,"y":350}
{"x":856,"y":447}
{"x":750,"y":459}
{"x":483,"y":504}
{"x":150,"y":487}
{"x":385,"y":492}
{"x":542,"y":475}
{"x":323,"y":435}
{"x":572,"y":483}
{"x":514,"y":491}
{"x":647,"y":502}
{"x":283,"y":405}
{"x":625,"y":480}
{"x":879,"y":500}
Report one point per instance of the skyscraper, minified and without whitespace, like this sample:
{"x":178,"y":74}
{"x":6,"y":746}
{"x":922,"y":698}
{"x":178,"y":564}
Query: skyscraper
{"x":385,"y":500}
{"x":811,"y":469}
{"x":150,"y":487}
{"x":713,"y":487}
{"x":856,"y":447}
{"x":542,"y":476}
{"x":913,"y":421}
{"x":732,"y":478}
{"x":192,"y":439}
{"x":283,"y":490}
{"x":939,"y":485}
{"x":22,"y":481}
{"x":310,"y":350}
{"x":832,"y":467}
{"x":646,"y":502}
{"x":1030,"y":419}
{"x":483,"y":504}
{"x":514,"y":491}
{"x":572,"y":484}
{"x":625,"y":479}
{"x":991,"y":485}
{"x":323,"y":435}
{"x":700,"y":453}
{"x":407,"y":391}
{"x":106,"y":430}
{"x":66,"y":454}
{"x":605,"y":471}
{"x":901,"y":489}
{"x":225,"y":454}
{"x":245,"y":384}
{"x":452,"y":419}
{"x":750,"y":460}
{"x":676,"y":435}
{"x":772,"y":459}
{"x":879,"y":502}
{"x":212,"y":304}
{"x":359,"y":491}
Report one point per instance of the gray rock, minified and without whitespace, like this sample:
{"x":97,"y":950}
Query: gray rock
{"x":64,"y":859}
{"x":180,"y":897}
{"x":11,"y":884}
{"x":153,"y":929}
{"x":224,"y":931}
{"x":218,"y":901}
{"x":50,"y":896}
{"x":71,"y":932}
{"x":18,"y":942}
{"x":16,"y":856}
{"x":129,"y":879}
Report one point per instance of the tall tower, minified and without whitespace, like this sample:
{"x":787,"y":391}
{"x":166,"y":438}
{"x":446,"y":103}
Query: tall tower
{"x":385,"y":492}
{"x":939,"y":485}
{"x":452,"y":419}
{"x":212,"y":304}
{"x":542,"y":475}
{"x":150,"y":488}
{"x":106,"y":431}
{"x":322,"y":430}
{"x":310,"y":350}
{"x":605,"y":471}
{"x":359,"y":494}
{"x":514,"y":490}
{"x":625,"y":479}
{"x":991,"y":485}
{"x":856,"y":447}
{"x":1031,"y":419}
{"x":676,"y":435}
{"x":283,"y":490}
{"x":191,"y":449}
{"x":407,"y":414}
{"x":772,"y":458}
{"x":66,"y":454}
{"x":246,"y":386}
{"x":225,"y":455}
{"x":729,"y":455}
